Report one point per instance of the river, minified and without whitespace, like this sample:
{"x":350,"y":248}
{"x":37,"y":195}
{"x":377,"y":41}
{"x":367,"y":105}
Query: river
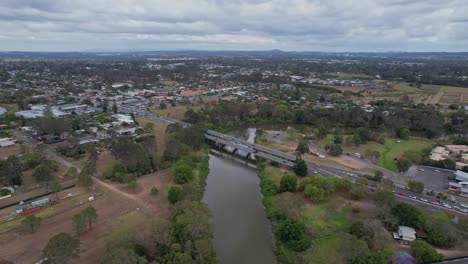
{"x":242,"y":232}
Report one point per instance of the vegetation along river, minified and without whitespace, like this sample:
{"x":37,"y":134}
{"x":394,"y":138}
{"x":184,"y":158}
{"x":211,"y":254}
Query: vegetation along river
{"x":242,"y":232}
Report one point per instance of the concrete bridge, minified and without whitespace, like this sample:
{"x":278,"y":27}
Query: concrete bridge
{"x":239,"y":144}
{"x":250,"y":148}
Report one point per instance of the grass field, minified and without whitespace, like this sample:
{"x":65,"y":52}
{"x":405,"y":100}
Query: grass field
{"x":159,"y":132}
{"x":387,"y":152}
{"x":274,"y":173}
{"x":326,"y":219}
{"x":324,"y":251}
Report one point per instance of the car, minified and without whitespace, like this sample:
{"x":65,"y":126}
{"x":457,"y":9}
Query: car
{"x":315,"y":172}
{"x":457,"y":208}
{"x":413,"y":197}
{"x":401,"y":194}
{"x":423,"y":200}
{"x":435,"y":202}
{"x":436,"y":170}
{"x":464,"y":210}
{"x":420,"y":169}
{"x":447,"y":206}
{"x":464,"y":206}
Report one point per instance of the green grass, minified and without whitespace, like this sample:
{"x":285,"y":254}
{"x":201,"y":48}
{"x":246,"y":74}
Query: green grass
{"x":388,"y":151}
{"x":324,"y":251}
{"x":326,"y":219}
{"x":274,"y":174}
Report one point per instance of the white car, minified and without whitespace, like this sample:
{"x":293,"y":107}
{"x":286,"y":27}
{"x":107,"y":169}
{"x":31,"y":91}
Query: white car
{"x":464,"y":210}
{"x":457,"y":208}
{"x":464,"y":206}
{"x":447,"y":206}
{"x":424,"y":200}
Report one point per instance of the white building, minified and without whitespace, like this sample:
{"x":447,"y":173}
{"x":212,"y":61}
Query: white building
{"x":405,"y":234}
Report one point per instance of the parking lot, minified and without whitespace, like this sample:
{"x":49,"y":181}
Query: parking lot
{"x":434,"y":178}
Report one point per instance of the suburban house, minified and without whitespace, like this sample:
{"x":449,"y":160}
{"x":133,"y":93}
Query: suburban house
{"x":405,"y":234}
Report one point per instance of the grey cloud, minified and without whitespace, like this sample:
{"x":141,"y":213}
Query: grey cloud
{"x":222,"y":24}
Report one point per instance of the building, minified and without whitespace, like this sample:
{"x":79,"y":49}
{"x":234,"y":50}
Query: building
{"x":460,"y":185}
{"x":439,"y":153}
{"x":405,"y":234}
{"x":121,"y":119}
{"x":6,"y":142}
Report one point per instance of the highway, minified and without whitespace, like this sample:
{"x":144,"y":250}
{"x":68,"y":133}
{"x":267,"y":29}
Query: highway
{"x":425,"y":202}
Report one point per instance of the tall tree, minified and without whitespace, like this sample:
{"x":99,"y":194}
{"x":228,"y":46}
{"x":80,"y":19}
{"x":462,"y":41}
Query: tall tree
{"x":31,"y":222}
{"x":61,"y":248}
{"x":55,"y":187}
{"x":300,"y":168}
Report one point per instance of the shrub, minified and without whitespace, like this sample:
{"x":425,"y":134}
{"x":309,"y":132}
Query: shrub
{"x":288,"y":183}
{"x":424,"y":253}
{"x":154,"y":190}
{"x":314,"y":193}
{"x":174,"y":194}
{"x":291,"y":232}
{"x":183,"y":173}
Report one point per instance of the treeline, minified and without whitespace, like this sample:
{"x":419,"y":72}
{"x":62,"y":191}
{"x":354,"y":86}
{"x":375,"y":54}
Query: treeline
{"x":290,"y":231}
{"x":11,"y":169}
{"x":387,"y":116}
{"x":187,"y":237}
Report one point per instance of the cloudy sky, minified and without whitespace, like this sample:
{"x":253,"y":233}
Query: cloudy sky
{"x":313,"y":25}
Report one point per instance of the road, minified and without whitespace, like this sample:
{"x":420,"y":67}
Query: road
{"x":324,"y":170}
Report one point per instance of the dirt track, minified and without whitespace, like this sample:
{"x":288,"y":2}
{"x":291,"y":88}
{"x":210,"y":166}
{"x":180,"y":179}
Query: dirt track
{"x":23,"y":247}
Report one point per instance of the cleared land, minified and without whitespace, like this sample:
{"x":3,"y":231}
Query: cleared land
{"x":115,"y":207}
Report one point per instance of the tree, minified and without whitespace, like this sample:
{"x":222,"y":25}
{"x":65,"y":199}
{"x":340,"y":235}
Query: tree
{"x":314,"y":193}
{"x":61,"y":248}
{"x":162,"y":106}
{"x":403,"y":164}
{"x":378,"y":175}
{"x":337,"y":138}
{"x":416,"y":186}
{"x":31,"y":222}
{"x":350,"y":246}
{"x":90,"y":215}
{"x":288,"y":183}
{"x":79,"y":222}
{"x":302,"y":148}
{"x":403,"y":133}
{"x":114,"y":108}
{"x":191,"y":221}
{"x":291,"y":232}
{"x":55,"y":187}
{"x":334,"y":150}
{"x":183,"y":173}
{"x":121,"y":255}
{"x":425,"y":253}
{"x":85,"y":179}
{"x":300,"y":168}
{"x":385,"y":199}
{"x":408,"y":215}
{"x":174,"y":194}
{"x":42,"y":173}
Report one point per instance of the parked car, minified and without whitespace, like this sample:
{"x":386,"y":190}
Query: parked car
{"x":447,"y":206}
{"x":423,"y":199}
{"x":436,"y":170}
